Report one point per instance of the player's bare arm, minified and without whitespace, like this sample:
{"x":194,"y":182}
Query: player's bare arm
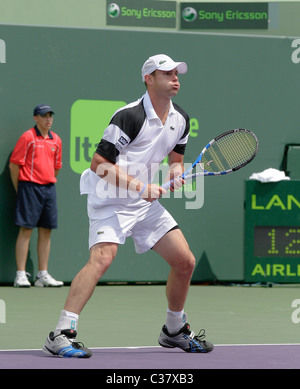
{"x":113,"y":174}
{"x":175,"y":170}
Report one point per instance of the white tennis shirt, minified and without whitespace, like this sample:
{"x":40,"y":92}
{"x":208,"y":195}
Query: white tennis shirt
{"x":138,"y":141}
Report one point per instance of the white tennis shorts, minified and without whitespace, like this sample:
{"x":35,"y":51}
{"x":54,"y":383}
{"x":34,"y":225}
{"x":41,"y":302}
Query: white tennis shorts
{"x":145,"y":222}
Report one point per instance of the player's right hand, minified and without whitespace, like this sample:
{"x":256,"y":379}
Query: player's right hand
{"x":153,"y":192}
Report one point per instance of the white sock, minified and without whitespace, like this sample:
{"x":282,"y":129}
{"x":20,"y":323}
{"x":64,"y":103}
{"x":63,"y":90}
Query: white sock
{"x":175,"y":320}
{"x":21,"y":273}
{"x":42,"y":273}
{"x":67,"y":320}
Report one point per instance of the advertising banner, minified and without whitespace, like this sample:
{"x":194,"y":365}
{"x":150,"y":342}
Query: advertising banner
{"x":224,"y":16}
{"x":139,"y":13}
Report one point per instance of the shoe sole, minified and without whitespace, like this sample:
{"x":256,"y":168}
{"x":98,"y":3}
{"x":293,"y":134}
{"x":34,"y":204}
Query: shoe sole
{"x":49,"y":352}
{"x":188,"y":350}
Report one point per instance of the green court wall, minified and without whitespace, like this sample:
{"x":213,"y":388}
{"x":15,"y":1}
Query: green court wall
{"x":233,"y":81}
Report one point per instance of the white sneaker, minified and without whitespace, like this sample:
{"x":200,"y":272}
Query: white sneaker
{"x":21,"y":281}
{"x":47,"y":280}
{"x":64,"y":345}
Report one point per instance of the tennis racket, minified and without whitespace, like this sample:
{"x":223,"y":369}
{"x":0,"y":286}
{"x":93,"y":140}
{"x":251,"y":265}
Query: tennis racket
{"x":224,"y":154}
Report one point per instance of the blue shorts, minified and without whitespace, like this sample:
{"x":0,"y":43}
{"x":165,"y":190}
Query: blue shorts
{"x":36,"y":205}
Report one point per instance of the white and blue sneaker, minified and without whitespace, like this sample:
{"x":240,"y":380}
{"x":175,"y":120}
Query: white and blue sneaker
{"x":63,"y":345}
{"x":186,"y":340}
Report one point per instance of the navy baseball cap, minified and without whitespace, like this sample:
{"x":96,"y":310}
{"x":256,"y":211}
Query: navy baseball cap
{"x":42,"y":109}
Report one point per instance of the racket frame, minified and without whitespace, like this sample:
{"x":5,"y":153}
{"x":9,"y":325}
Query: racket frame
{"x":187,"y":176}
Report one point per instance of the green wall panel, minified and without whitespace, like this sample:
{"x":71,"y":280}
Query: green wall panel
{"x":232,"y":81}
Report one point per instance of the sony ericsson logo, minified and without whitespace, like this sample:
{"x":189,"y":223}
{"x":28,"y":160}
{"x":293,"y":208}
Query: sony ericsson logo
{"x":2,"y":51}
{"x":134,"y":10}
{"x":113,"y":10}
{"x":189,"y":14}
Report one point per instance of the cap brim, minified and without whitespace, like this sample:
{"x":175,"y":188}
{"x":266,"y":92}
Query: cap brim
{"x":43,"y":112}
{"x":181,"y":67}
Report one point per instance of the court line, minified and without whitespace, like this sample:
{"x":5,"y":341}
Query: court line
{"x":145,"y":347}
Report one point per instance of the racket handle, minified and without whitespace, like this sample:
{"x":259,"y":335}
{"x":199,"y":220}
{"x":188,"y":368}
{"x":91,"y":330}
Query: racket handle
{"x":167,"y":185}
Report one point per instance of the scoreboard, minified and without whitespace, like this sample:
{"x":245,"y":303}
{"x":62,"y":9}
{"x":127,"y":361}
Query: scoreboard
{"x":272,"y":231}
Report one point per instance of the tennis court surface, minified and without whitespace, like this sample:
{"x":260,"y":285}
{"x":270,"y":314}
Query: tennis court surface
{"x":251,"y":327}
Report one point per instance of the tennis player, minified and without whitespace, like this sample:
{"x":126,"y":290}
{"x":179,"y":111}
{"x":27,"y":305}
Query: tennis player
{"x":121,"y":203}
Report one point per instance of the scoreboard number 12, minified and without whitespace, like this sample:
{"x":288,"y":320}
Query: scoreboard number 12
{"x":277,"y":241}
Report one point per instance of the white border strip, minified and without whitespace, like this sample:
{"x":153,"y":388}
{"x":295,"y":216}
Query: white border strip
{"x":136,"y":29}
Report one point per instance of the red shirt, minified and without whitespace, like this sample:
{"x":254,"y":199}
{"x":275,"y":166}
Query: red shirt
{"x":38,"y":157}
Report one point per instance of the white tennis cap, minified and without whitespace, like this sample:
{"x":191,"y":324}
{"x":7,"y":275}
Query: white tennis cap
{"x":162,"y":62}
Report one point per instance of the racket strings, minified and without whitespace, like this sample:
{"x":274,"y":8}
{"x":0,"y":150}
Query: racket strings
{"x":230,"y":151}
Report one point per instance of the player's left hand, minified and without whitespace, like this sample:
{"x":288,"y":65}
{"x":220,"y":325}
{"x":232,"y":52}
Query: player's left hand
{"x":177,"y":182}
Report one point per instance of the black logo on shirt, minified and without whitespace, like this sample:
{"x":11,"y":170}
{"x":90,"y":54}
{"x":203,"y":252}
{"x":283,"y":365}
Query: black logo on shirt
{"x":121,"y":142}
